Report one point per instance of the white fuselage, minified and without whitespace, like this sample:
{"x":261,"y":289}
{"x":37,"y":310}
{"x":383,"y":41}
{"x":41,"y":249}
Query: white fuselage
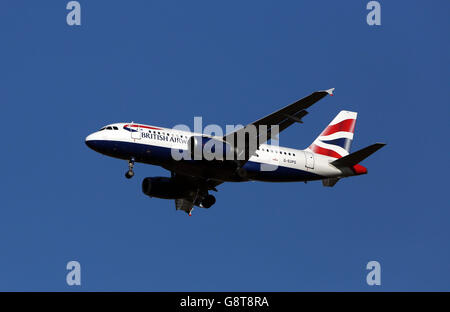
{"x":153,"y":145}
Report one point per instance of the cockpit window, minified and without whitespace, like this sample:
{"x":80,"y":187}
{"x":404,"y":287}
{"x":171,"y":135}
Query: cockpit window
{"x":109,"y":128}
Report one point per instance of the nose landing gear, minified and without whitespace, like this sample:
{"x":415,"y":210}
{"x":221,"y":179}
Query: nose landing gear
{"x":130,"y":173}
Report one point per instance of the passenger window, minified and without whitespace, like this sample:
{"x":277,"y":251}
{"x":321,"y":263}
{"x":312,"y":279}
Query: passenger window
{"x":289,"y":154}
{"x":293,"y":154}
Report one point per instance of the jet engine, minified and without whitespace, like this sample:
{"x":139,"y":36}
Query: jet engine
{"x":167,"y":188}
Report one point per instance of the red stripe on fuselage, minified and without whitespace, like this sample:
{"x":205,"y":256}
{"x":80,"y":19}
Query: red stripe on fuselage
{"x":324,"y":151}
{"x":347,"y":125}
{"x":142,"y":126}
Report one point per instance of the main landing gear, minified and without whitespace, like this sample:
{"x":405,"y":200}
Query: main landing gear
{"x":130,"y":173}
{"x":208,"y":201}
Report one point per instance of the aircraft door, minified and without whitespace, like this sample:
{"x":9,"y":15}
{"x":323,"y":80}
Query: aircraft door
{"x":136,"y":134}
{"x":309,"y":160}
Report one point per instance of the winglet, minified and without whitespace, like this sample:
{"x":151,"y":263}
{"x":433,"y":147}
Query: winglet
{"x":330,"y":91}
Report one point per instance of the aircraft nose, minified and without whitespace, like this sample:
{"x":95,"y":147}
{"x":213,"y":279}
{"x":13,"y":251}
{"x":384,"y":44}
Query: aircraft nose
{"x":90,"y":141}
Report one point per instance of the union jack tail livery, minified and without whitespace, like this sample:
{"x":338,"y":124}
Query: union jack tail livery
{"x":336,"y":139}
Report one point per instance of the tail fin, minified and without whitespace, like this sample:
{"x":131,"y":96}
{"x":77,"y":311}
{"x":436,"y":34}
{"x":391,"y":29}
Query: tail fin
{"x":336,"y":139}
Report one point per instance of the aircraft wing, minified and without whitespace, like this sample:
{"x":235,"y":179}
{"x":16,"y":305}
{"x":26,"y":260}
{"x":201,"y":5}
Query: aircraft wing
{"x":284,"y":118}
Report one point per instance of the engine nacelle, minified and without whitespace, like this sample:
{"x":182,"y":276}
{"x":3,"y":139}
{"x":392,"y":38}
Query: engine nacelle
{"x":204,"y":148}
{"x":167,"y":188}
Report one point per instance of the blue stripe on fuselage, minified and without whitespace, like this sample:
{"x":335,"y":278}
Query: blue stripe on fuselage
{"x":161,"y":156}
{"x":280,"y":174}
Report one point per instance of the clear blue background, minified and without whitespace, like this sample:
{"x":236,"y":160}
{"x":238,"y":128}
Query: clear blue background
{"x":164,"y":62}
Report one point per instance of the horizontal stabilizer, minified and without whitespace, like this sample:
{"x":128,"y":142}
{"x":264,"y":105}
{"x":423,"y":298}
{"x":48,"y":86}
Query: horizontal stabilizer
{"x":358,"y":156}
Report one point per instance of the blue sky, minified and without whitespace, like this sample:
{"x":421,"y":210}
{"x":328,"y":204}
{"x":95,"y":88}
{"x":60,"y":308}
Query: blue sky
{"x":164,"y":62}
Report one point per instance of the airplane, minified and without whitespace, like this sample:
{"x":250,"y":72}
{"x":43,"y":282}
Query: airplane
{"x":327,"y":158}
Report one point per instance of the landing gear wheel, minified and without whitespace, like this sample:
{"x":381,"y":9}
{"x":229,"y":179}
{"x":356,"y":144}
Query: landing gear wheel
{"x":208,"y":201}
{"x":129,"y":174}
